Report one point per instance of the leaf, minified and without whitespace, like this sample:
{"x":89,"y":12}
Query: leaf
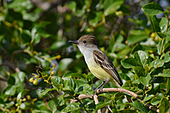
{"x":47,"y":90}
{"x":136,"y":36}
{"x":69,"y":84}
{"x":164,"y":105}
{"x":155,"y":101}
{"x":85,"y":89}
{"x":162,"y":75}
{"x":124,"y":76}
{"x":10,"y":104}
{"x":71,"y":107}
{"x":168,"y":86}
{"x":64,"y":63}
{"x":148,"y":97}
{"x":95,"y":18}
{"x":152,"y":8}
{"x":58,"y":45}
{"x":140,"y":47}
{"x":26,"y":36}
{"x":111,"y":7}
{"x":145,"y":80}
{"x":72,"y":6}
{"x":161,"y":35}
{"x":57,"y":81}
{"x":159,"y":51}
{"x":11,"y":80}
{"x":22,"y":93}
{"x":163,"y":24}
{"x":139,"y":106}
{"x":52,"y":105}
{"x":68,"y":74}
{"x":10,"y":90}
{"x":141,"y":56}
{"x":102,"y":104}
{"x":129,"y":63}
{"x":157,"y":63}
{"x":126,"y":111}
{"x":139,"y":70}
{"x":155,"y":23}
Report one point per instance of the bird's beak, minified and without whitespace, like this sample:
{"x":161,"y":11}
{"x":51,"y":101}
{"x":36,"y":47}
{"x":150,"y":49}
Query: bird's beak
{"x":74,"y":42}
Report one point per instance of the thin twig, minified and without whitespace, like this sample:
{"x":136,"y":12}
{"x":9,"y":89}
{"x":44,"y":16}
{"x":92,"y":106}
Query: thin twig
{"x":96,"y":102}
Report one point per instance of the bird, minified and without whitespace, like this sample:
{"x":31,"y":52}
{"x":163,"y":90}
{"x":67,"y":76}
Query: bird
{"x":98,"y":63}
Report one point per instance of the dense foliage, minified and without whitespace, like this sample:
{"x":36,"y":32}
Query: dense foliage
{"x":41,"y":72}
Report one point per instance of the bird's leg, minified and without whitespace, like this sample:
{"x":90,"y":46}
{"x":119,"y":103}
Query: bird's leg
{"x":99,"y":86}
{"x":101,"y":89}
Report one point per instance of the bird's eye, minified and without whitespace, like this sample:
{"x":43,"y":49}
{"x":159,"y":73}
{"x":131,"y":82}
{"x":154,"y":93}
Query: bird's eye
{"x":84,"y":41}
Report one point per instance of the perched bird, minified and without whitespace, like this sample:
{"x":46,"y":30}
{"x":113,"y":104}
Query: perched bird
{"x":98,"y":63}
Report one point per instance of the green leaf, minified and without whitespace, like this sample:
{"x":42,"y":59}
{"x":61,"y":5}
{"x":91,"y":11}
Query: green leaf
{"x":129,"y":63}
{"x":11,"y":80}
{"x":136,"y":36}
{"x":124,"y":76}
{"x":64,"y":63}
{"x":95,"y":18}
{"x":152,"y":8}
{"x":161,"y":35}
{"x":20,"y":5}
{"x":168,"y":86}
{"x":52,"y":105}
{"x":140,"y":47}
{"x":72,"y":6}
{"x":10,"y":90}
{"x":68,"y":74}
{"x":148,"y":97}
{"x":85,"y":89}
{"x":157,"y":63}
{"x":58,"y":45}
{"x":145,"y":80}
{"x":26,"y":36}
{"x":162,"y":75}
{"x":10,"y":104}
{"x":22,"y":93}
{"x":139,"y":70}
{"x":102,"y":104}
{"x":164,"y":105}
{"x":159,"y":51}
{"x":155,"y":23}
{"x":71,"y":74}
{"x":139,"y":106}
{"x":141,"y":56}
{"x":57,"y":81}
{"x":111,"y":7}
{"x":163,"y":24}
{"x":155,"y":101}
{"x":69,"y":84}
{"x":71,"y":107}
{"x":44,"y":92}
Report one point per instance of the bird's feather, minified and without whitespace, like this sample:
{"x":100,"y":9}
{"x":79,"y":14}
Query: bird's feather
{"x":101,"y":59}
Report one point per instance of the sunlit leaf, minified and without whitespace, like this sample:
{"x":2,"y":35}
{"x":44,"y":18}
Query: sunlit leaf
{"x":71,"y":107}
{"x":152,"y":8}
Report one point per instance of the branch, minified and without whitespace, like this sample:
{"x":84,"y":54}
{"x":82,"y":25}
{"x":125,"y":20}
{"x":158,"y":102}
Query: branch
{"x":83,"y":96}
{"x":96,"y":102}
{"x":16,"y":69}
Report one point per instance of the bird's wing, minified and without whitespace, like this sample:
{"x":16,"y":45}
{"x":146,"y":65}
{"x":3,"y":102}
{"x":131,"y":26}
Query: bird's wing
{"x":101,"y":59}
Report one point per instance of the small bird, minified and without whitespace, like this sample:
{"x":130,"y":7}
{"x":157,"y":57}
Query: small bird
{"x":98,"y":63}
